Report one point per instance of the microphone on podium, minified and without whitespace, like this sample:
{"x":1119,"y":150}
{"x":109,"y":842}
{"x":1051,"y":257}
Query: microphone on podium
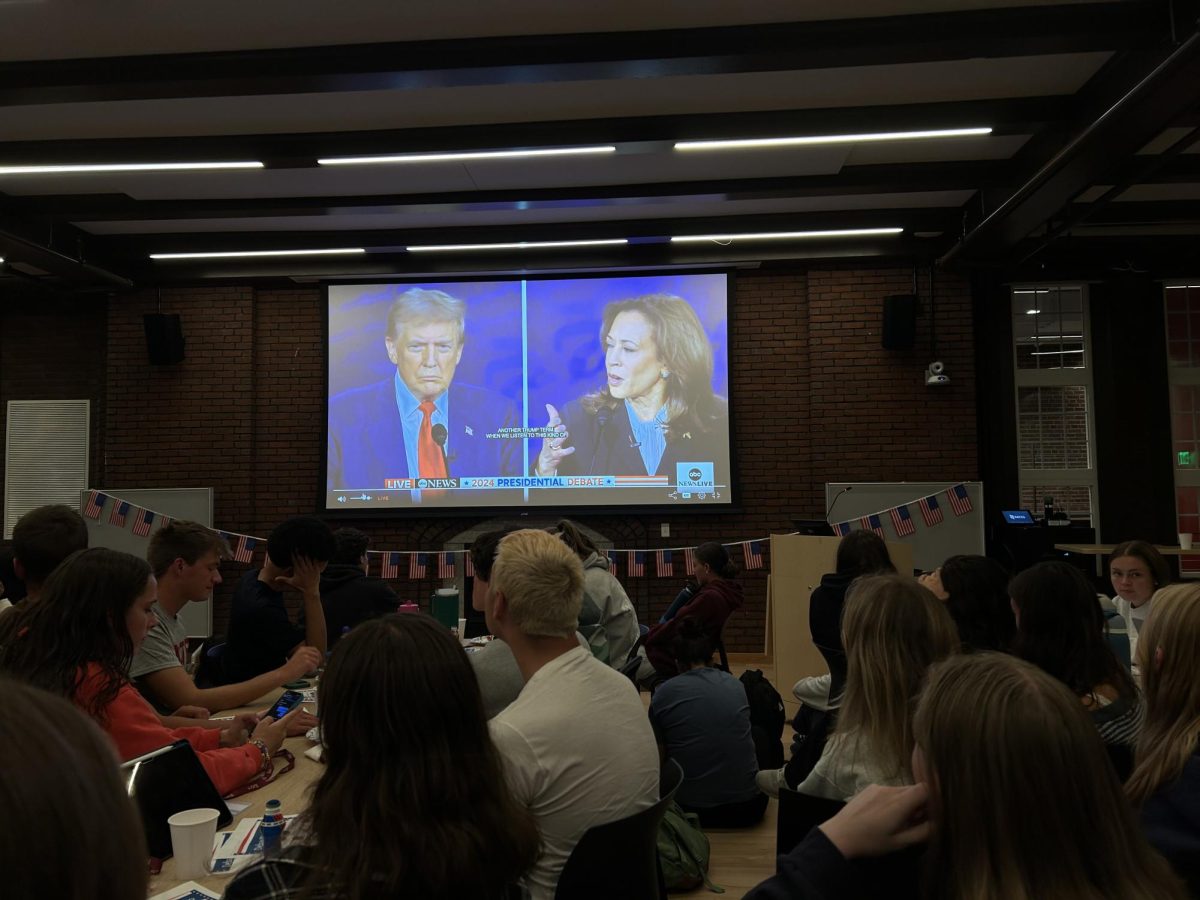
{"x":828,"y":512}
{"x":439,"y":435}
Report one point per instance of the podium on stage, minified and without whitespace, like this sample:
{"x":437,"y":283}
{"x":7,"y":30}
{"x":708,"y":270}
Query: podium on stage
{"x":797,"y":563}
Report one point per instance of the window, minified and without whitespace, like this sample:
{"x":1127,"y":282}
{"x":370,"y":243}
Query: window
{"x":1055,"y":431}
{"x":1183,"y":353}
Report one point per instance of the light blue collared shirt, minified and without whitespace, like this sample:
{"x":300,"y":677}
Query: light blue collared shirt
{"x":650,"y":436}
{"x":411,"y":418}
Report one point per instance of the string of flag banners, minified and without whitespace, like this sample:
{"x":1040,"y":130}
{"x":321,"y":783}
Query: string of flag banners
{"x":902,"y":519}
{"x":420,"y":562}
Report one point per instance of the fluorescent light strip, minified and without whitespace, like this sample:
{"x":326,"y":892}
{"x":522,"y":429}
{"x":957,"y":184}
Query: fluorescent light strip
{"x":1032,"y":312}
{"x":1052,"y":352}
{"x":521,"y":245}
{"x":783,"y":235}
{"x":1032,"y":292}
{"x":237,"y":254}
{"x":749,"y":143}
{"x":1183,"y":287}
{"x":126,"y":167}
{"x":466,"y":155}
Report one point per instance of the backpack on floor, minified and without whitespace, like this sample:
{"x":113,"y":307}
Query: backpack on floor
{"x":767,"y":717}
{"x":683,"y":851}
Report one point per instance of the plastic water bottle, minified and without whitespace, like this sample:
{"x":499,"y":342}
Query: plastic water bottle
{"x":272,"y":826}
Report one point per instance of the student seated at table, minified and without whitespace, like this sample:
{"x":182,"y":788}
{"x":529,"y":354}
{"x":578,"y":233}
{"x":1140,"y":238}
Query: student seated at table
{"x":43,"y":538}
{"x":701,"y":718}
{"x":1165,"y":782}
{"x":577,"y":746}
{"x":77,"y":641}
{"x":70,"y":830}
{"x":1136,"y":570}
{"x":975,"y":591}
{"x":348,"y":594}
{"x":186,"y":560}
{"x":412,"y":801}
{"x":893,"y":630}
{"x":261,"y":635}
{"x":1014,"y":798}
{"x":1060,"y":629}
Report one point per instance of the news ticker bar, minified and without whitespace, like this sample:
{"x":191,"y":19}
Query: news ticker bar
{"x":526,"y":481}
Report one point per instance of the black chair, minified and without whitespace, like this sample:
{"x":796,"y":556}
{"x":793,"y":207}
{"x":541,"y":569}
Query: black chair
{"x":620,"y":859}
{"x":723,"y":665}
{"x":798,"y":815}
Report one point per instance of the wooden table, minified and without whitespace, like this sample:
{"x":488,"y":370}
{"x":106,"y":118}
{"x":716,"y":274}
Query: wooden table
{"x":1106,"y":549}
{"x":291,"y":790}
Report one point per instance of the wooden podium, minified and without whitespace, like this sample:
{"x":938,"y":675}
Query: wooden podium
{"x":797,"y":564}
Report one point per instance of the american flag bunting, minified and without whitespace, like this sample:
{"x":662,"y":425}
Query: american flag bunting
{"x":637,"y":563}
{"x":752,"y":551}
{"x":612,"y":562}
{"x":663,"y":563}
{"x":445,"y":565}
{"x":390,"y":566}
{"x":120,"y":511}
{"x":872,"y":523}
{"x":468,"y":566}
{"x":689,"y":561}
{"x":94,"y":505}
{"x":960,"y":501}
{"x":244,"y":552}
{"x":841,"y":529}
{"x":930,"y":511}
{"x":416,"y":565}
{"x":142,"y":521}
{"x":903,"y":522}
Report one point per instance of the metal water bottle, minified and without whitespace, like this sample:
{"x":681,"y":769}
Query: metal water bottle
{"x":272,"y":826}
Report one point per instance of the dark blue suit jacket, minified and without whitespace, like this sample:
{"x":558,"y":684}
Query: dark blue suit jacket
{"x":366,"y":436}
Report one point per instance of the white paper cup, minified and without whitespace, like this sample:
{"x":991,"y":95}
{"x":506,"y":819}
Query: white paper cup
{"x":1185,"y":541}
{"x":462,"y":629}
{"x":192,"y":833}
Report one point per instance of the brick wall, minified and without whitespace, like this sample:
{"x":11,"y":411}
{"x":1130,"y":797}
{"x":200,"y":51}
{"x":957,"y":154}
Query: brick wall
{"x":814,"y":399}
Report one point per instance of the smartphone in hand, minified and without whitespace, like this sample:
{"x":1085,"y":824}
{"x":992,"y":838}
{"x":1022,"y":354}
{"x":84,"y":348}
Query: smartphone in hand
{"x":287,"y":701}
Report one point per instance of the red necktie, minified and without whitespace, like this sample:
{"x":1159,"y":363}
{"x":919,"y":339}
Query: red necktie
{"x":431,"y":461}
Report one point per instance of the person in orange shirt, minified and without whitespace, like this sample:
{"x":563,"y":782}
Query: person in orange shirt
{"x":77,"y":641}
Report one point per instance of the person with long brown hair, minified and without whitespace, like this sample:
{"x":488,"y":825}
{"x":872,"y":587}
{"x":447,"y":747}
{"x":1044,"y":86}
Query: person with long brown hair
{"x":77,"y":640}
{"x":1014,"y":797}
{"x":1166,"y":778}
{"x":1136,"y":570}
{"x":413,"y":801}
{"x":893,"y":630}
{"x":1061,"y":630}
{"x":71,"y":832}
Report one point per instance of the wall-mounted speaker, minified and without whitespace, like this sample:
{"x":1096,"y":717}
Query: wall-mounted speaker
{"x":164,"y":338}
{"x":899,"y":322}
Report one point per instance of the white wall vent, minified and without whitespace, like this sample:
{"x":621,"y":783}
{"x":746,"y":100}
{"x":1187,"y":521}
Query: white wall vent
{"x":45,"y":455}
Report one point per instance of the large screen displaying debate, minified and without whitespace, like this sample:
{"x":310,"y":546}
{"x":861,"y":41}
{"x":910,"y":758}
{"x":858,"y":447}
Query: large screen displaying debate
{"x":567,"y":393}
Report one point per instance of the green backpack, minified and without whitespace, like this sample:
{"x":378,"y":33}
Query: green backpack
{"x":683,"y":851}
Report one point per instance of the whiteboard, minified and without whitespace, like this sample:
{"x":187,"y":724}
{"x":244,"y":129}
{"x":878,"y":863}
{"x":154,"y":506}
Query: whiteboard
{"x":193,"y":504}
{"x":931,"y":545}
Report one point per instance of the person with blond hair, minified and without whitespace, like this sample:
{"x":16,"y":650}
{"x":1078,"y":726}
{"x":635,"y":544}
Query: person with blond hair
{"x":577,"y":745}
{"x":1166,"y":778}
{"x":1014,"y":799}
{"x":893,"y":630}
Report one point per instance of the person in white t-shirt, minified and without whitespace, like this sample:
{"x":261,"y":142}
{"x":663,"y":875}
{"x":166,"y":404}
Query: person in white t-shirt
{"x":577,"y":745}
{"x":1137,"y":570}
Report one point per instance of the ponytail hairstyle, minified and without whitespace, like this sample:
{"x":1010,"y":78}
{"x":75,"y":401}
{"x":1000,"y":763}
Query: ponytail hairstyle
{"x":1171,"y":729}
{"x":717,"y":558}
{"x":1023,"y":800}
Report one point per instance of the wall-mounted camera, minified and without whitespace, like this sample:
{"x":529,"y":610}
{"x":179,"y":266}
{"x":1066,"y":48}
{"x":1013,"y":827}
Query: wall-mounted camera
{"x":936,"y":375}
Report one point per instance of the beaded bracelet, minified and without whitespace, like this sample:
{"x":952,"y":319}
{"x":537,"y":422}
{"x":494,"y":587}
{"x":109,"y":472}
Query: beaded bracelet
{"x":266,"y":754}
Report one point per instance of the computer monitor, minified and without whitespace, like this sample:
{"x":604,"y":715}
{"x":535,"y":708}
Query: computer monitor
{"x":1018,"y":517}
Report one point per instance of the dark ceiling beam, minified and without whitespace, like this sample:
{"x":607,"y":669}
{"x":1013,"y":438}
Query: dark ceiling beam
{"x":61,"y":252}
{"x":1132,"y":118}
{"x":1164,"y":212}
{"x":851,"y":180}
{"x":127,"y":247}
{"x":1017,"y":115}
{"x":776,"y":46}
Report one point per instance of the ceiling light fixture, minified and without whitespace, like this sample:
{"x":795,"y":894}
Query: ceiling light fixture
{"x":463,"y":156}
{"x":1031,"y":292}
{"x":1052,"y":352}
{"x":126,"y":167}
{"x":1032,"y":312}
{"x":519,"y":245}
{"x":236,"y":254}
{"x":784,"y":235}
{"x":817,"y":139}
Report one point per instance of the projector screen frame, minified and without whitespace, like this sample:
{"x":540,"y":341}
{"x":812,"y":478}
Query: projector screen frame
{"x":548,"y":511}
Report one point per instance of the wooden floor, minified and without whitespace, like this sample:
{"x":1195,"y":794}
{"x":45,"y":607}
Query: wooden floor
{"x":741,"y":857}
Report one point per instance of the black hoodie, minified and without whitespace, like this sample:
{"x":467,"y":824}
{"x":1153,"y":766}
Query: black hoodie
{"x":348,"y":597}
